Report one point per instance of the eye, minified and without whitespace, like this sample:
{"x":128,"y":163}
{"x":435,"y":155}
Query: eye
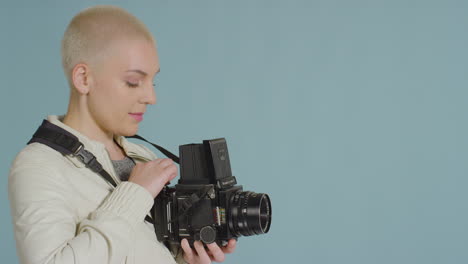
{"x":133,"y":85}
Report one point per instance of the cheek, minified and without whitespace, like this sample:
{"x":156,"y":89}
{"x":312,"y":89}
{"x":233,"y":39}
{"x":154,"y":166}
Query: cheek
{"x":107,"y":104}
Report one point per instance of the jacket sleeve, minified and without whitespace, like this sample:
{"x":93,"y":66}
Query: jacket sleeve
{"x":46,"y":228}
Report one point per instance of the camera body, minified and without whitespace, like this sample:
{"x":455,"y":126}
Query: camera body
{"x":207,"y":204}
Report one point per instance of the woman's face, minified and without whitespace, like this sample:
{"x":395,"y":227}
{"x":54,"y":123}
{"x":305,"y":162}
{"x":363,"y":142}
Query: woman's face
{"x":122,"y":86}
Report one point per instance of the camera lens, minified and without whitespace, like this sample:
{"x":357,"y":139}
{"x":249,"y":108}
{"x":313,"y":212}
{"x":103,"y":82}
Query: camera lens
{"x":250,"y":214}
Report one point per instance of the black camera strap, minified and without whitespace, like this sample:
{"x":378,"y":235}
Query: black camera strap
{"x":163,"y":150}
{"x":66,"y":143}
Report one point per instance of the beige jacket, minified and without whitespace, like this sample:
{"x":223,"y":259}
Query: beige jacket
{"x":65,"y":213}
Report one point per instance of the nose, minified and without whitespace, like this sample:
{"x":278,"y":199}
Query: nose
{"x":149,"y":96}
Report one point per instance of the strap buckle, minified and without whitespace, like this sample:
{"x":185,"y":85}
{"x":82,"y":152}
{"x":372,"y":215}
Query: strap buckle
{"x":88,"y":159}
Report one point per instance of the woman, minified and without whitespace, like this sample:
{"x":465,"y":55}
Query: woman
{"x":62,"y":211}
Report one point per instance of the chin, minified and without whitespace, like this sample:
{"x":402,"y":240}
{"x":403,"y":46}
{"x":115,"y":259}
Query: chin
{"x":129,"y":131}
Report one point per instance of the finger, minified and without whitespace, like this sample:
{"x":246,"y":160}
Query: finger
{"x":188,"y":252}
{"x":156,"y":161}
{"x":210,"y":254}
{"x":217,"y":253}
{"x":166,"y":163}
{"x":172,"y":172}
{"x":201,"y":252}
{"x":167,"y":175}
{"x":230,"y":247}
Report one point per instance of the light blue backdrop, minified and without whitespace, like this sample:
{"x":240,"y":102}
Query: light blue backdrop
{"x":352,"y":115}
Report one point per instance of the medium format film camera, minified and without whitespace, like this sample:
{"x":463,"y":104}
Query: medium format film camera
{"x":206,"y":204}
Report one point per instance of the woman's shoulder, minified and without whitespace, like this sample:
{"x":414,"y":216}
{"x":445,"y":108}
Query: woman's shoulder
{"x":40,"y":160}
{"x":37,"y":153}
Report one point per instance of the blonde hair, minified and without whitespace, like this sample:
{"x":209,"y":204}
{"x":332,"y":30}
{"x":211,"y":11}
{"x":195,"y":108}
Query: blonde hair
{"x":93,"y":30}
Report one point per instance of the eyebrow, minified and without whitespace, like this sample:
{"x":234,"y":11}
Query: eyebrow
{"x":142,"y":72}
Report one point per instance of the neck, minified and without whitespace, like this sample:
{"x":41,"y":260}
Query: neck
{"x":81,"y":120}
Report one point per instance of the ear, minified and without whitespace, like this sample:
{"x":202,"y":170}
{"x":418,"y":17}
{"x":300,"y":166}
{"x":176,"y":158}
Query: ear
{"x":81,"y":78}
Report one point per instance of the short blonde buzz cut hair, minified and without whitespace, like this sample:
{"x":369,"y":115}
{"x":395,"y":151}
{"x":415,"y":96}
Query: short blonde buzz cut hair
{"x":93,"y":30}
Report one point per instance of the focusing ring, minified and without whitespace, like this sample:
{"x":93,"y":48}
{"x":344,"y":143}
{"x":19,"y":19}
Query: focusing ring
{"x":250,"y":213}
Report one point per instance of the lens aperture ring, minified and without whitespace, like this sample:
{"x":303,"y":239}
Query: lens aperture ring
{"x":250,"y":213}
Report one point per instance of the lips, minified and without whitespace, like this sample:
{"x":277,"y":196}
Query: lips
{"x":137,"y":116}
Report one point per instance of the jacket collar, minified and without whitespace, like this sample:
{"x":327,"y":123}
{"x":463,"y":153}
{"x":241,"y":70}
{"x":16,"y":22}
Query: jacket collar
{"x":95,"y":147}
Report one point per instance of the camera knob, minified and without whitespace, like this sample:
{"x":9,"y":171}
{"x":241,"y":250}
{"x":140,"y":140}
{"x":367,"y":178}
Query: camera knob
{"x":208,"y":234}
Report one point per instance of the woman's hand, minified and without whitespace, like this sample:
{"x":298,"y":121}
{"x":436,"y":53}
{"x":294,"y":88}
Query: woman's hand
{"x":201,"y":256}
{"x":153,"y":175}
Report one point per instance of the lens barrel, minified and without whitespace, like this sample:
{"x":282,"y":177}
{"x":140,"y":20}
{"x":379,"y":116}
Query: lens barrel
{"x":250,"y":213}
